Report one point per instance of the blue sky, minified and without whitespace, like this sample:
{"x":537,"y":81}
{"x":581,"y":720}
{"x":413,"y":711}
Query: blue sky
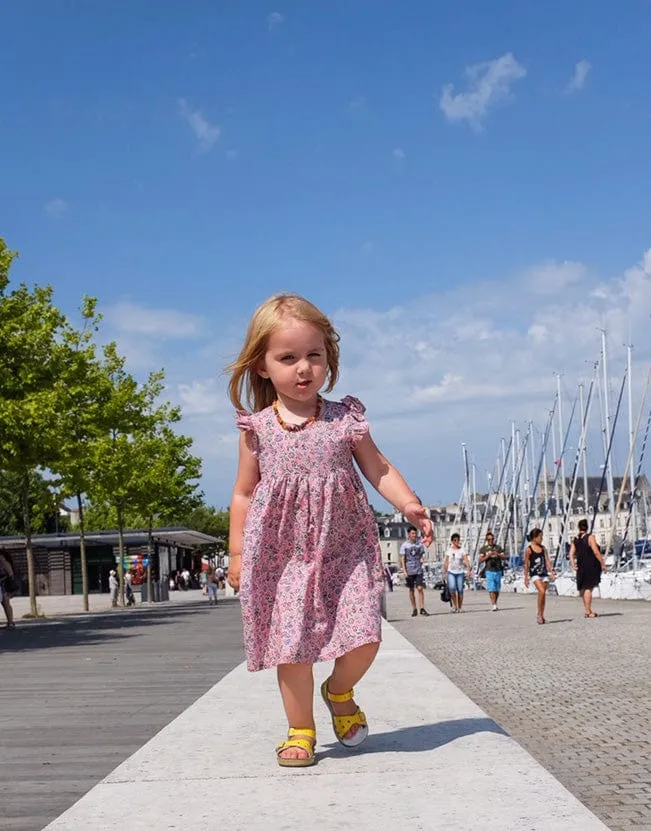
{"x":183,"y":161}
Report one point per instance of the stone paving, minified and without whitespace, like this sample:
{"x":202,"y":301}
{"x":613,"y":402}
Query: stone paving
{"x":575,"y":693}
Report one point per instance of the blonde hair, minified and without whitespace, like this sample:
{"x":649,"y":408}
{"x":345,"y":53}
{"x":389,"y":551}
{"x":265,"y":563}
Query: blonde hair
{"x":246,"y":382}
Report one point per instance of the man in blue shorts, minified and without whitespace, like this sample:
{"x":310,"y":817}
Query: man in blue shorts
{"x":493,"y":558}
{"x":411,"y":560}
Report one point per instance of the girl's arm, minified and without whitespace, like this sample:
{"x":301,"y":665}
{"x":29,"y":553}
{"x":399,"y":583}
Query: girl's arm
{"x":446,"y":560}
{"x":468,"y":566}
{"x":550,"y":567}
{"x":388,"y":482}
{"x":248,"y":476}
{"x":572,"y":555}
{"x":526,"y":565}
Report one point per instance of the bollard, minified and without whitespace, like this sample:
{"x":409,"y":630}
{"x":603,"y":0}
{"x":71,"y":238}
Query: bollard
{"x":156,"y":591}
{"x":383,"y":605}
{"x":143,"y":593}
{"x":164,"y":590}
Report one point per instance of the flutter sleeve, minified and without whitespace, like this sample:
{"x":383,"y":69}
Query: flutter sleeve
{"x":356,"y":423}
{"x":244,"y":422}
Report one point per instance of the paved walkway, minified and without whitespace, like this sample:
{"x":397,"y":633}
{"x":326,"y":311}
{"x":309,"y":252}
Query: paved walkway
{"x":575,"y":693}
{"x":434,"y":760}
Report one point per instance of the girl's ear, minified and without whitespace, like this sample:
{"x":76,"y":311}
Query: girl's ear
{"x":262,"y":372}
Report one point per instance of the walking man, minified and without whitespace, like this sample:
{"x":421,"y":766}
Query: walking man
{"x":411,"y":560}
{"x":493,"y":557}
{"x":212,"y":584}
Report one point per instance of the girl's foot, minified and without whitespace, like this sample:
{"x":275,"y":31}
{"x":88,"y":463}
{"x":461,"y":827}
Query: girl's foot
{"x":345,"y":708}
{"x":590,"y":614}
{"x":414,"y":613}
{"x":298,"y":750}
{"x":541,"y":619}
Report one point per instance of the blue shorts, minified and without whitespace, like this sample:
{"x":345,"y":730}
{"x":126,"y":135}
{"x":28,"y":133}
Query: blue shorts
{"x":455,"y":583}
{"x":493,"y":581}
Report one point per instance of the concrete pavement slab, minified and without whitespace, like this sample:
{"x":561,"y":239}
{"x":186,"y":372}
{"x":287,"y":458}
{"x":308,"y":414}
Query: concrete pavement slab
{"x":434,"y":759}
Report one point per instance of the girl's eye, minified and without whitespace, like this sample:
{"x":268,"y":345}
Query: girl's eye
{"x":314,"y":355}
{"x":287,"y":358}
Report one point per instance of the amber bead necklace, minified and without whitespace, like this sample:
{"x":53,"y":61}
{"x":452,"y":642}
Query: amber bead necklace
{"x":295,"y":428}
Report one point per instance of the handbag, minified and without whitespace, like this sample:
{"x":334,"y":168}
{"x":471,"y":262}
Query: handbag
{"x":445,"y":594}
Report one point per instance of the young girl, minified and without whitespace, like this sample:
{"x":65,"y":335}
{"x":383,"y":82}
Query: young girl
{"x":538,"y":568}
{"x":304,"y":549}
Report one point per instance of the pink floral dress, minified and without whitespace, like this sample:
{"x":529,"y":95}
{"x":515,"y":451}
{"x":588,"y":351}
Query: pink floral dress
{"x":312,"y":576}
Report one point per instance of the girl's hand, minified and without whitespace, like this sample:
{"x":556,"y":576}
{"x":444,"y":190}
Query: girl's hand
{"x":234,"y":569}
{"x":526,"y":582}
{"x":417,"y":515}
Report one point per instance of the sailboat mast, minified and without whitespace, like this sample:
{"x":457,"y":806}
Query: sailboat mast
{"x":608,"y":419}
{"x":631,"y":443}
{"x":563,"y":493}
{"x":584,"y":453}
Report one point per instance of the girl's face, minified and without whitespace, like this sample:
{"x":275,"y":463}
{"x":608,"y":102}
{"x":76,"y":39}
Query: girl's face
{"x":537,"y":539}
{"x":456,"y":543}
{"x":295,"y":361}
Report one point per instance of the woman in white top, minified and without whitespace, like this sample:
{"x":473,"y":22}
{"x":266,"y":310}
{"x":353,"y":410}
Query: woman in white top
{"x":456,"y":566}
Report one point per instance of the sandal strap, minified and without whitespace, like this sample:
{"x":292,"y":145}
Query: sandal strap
{"x":301,"y":731}
{"x":302,"y":744}
{"x":343,"y":724}
{"x":339,"y":698}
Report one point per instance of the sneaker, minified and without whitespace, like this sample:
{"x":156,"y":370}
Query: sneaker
{"x":494,"y":608}
{"x":424,"y":613}
{"x":414,"y":613}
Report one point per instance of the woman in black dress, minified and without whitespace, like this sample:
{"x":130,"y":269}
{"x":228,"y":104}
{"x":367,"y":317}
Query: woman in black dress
{"x":588,"y":563}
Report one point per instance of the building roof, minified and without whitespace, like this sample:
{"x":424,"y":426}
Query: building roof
{"x":183,"y":537}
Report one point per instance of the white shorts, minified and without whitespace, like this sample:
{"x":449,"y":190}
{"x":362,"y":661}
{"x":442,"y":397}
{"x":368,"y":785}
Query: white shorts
{"x":542,"y":579}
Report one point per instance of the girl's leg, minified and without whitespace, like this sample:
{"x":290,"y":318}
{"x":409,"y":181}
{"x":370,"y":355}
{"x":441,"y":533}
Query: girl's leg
{"x":541,"y":587}
{"x":587,"y":601}
{"x":296,"y":684}
{"x":460,"y":587}
{"x":349,"y":669}
{"x":9,"y":612}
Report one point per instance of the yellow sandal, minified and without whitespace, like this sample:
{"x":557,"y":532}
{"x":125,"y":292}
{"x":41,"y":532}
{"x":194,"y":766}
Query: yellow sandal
{"x":342,"y":724}
{"x":303,"y":744}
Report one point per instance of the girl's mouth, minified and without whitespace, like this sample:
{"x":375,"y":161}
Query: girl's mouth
{"x":303,"y":384}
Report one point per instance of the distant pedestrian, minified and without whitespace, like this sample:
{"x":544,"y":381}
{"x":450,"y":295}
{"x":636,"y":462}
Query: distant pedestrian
{"x":128,"y":590}
{"x":588,"y":563}
{"x":493,"y":558}
{"x":412,"y":554}
{"x":114,"y":587}
{"x":212,"y":585}
{"x":7,"y":583}
{"x":456,"y":566}
{"x":538,"y":568}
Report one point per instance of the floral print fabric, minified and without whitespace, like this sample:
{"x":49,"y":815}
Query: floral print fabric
{"x":312,"y":575}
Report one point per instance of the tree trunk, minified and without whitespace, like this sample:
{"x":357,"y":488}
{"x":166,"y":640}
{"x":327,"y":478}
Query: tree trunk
{"x":82,"y":551}
{"x":121,"y":552}
{"x":150,"y":552}
{"x":27,"y":522}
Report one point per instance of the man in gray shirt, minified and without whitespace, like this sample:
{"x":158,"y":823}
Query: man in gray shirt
{"x":411,"y":560}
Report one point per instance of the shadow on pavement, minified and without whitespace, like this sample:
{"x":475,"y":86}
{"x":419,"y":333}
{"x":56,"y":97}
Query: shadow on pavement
{"x":94,"y":628}
{"x":419,"y":738}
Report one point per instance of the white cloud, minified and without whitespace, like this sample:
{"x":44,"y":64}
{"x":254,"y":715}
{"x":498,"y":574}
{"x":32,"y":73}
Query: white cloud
{"x":274,"y":19}
{"x":207,"y":134}
{"x":399,"y":153}
{"x":163,"y":324}
{"x":489,"y":85}
{"x":577,"y":82}
{"x":435,"y":370}
{"x":56,"y":208}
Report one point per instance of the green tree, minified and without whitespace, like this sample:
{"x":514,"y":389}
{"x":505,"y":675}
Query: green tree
{"x":168,"y":480}
{"x":209,"y":520}
{"x":43,"y":503}
{"x":130,"y":413}
{"x":31,"y":371}
{"x":81,"y":407}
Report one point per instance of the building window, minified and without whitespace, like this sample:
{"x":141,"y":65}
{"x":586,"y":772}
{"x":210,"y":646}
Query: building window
{"x":601,"y":523}
{"x":387,"y":533}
